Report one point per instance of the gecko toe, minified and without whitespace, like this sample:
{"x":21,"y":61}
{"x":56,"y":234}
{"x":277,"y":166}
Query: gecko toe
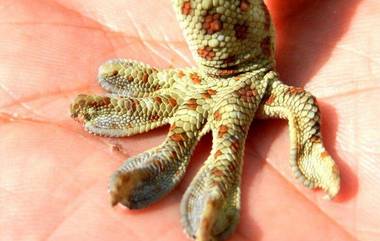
{"x":123,"y":186}
{"x":320,"y":170}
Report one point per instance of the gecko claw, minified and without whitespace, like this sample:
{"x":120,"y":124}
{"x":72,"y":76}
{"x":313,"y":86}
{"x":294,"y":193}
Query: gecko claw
{"x":121,"y":188}
{"x":114,"y":199}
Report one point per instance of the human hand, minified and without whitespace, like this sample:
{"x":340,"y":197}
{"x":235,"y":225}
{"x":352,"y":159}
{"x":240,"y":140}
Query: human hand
{"x":54,"y":175}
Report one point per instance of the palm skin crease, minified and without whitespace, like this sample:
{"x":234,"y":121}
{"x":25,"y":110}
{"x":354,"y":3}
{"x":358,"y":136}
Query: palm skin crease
{"x":234,"y":82}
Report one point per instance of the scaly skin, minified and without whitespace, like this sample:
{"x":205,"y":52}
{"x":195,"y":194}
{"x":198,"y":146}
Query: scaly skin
{"x":235,"y":81}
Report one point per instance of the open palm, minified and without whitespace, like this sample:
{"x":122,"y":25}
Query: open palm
{"x":53,"y":175}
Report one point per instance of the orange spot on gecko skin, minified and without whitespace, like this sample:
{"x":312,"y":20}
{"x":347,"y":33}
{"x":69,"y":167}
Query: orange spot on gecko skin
{"x":172,"y":102}
{"x":206,"y":53}
{"x":211,"y":92}
{"x":181,"y":74}
{"x":217,"y":153}
{"x":244,"y":5}
{"x":222,"y":130}
{"x":208,"y":93}
{"x":186,"y":8}
{"x":158,"y":99}
{"x":217,"y":172}
{"x":212,"y":23}
{"x":266,"y":46}
{"x":192,"y":104}
{"x":296,"y":90}
{"x":178,"y":137}
{"x":226,"y":72}
{"x":270,"y":100}
{"x":154,"y":117}
{"x":324,"y":154}
{"x":241,"y":31}
{"x":217,"y":116}
{"x":195,"y":78}
{"x":145,"y":77}
{"x":130,"y":78}
{"x":246,"y":93}
{"x":205,"y":95}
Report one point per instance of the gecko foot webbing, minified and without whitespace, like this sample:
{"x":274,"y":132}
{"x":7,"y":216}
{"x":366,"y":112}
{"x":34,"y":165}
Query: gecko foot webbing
{"x":234,"y":82}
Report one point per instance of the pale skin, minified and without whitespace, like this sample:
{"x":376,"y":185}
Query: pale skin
{"x":121,"y":224}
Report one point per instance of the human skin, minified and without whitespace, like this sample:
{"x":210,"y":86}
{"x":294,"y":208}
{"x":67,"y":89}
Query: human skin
{"x":53,"y":175}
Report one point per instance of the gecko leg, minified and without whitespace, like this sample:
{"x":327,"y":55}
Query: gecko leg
{"x":123,"y":116}
{"x":147,"y":177}
{"x":308,"y":158}
{"x":210,"y":207}
{"x":125,"y":77}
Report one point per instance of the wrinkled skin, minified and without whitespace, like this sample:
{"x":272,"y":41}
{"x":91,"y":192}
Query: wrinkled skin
{"x":54,"y":175}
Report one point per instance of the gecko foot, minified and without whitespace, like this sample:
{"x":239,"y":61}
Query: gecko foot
{"x":234,"y":81}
